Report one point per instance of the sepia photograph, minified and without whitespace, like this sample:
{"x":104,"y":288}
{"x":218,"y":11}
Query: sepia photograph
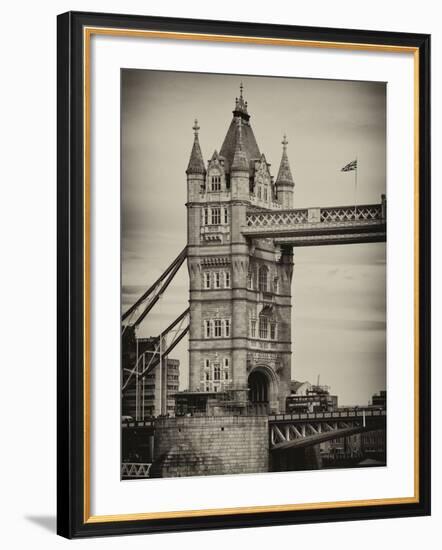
{"x":253,"y":274}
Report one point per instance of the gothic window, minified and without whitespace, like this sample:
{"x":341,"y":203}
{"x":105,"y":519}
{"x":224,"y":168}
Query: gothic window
{"x":206,"y":216}
{"x":253,"y":328}
{"x":207,"y":279}
{"x":250,"y":278}
{"x":226,"y":362}
{"x":207,"y":331}
{"x":263,"y":278}
{"x":217,"y":279}
{"x":216,"y":183}
{"x":263,"y":327}
{"x":217,"y":328}
{"x":207,"y":363}
{"x":226,"y":215}
{"x":272,"y":331}
{"x":227,"y":328}
{"x":217,"y":371}
{"x":216,"y":216}
{"x":276,"y":285}
{"x":207,"y":375}
{"x":227,"y":279}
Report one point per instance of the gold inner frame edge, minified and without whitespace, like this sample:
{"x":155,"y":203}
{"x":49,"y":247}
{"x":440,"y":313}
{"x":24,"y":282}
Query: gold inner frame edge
{"x":87,"y":34}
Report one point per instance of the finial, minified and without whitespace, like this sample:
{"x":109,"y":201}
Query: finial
{"x":284,"y":142}
{"x":195,"y":127}
{"x":241,"y":87}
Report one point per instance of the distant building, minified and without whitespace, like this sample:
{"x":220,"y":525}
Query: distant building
{"x":148,"y":402}
{"x":379,"y":399}
{"x":305,"y":397}
{"x":299,"y":388}
{"x":374,"y":444}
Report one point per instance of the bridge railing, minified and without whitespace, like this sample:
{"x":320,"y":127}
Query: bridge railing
{"x":135,"y":470}
{"x":350,"y":413}
{"x":148,"y":423}
{"x":298,"y":218}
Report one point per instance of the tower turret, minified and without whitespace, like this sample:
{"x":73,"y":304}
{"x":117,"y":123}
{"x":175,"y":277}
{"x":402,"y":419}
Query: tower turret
{"x":284,"y":182}
{"x":196,"y":171}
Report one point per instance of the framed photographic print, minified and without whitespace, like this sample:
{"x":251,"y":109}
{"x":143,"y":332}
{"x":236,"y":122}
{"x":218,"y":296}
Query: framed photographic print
{"x":243,"y":274}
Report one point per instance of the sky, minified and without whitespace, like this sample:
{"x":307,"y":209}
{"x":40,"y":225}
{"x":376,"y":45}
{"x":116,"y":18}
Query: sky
{"x":339,"y":292}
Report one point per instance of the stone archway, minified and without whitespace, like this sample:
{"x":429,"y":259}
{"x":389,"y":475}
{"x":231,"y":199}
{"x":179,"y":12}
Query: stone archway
{"x":262,"y":390}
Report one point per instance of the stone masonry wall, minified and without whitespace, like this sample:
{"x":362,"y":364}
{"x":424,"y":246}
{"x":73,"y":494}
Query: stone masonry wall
{"x":211,"y":445}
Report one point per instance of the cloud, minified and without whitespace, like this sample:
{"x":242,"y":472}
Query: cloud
{"x":339,"y":324}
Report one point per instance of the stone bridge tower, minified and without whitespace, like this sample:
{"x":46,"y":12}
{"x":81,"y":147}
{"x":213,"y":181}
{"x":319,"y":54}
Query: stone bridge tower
{"x":240,"y":287}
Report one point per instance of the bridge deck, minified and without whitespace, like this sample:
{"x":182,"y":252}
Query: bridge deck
{"x":319,"y":226}
{"x":290,"y":431}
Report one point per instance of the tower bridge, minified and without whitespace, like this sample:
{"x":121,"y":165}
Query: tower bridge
{"x":241,"y":230}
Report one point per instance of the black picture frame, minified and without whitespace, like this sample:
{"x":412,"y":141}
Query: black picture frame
{"x":71,"y":507}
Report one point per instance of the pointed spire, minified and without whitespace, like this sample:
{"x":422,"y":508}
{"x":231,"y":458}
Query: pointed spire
{"x":239,"y":162}
{"x":284,"y":174}
{"x":196,"y":162}
{"x":241,"y":105}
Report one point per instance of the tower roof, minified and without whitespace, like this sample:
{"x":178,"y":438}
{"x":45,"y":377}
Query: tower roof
{"x":240,"y":161}
{"x":284,"y":173}
{"x":249,"y":146}
{"x":196,"y":161}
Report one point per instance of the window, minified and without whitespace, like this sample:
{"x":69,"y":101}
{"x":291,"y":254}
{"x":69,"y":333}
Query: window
{"x":265,"y":193}
{"x":226,"y":375}
{"x":253,"y":328}
{"x":207,"y":280}
{"x":226,"y":215}
{"x":263,"y":327}
{"x":216,"y":216}
{"x":217,"y":328}
{"x":259,"y":191}
{"x":250,"y":278}
{"x":207,"y":375}
{"x":217,"y":279}
{"x":227,"y":279}
{"x":276,"y":285}
{"x":217,"y":371}
{"x":216,"y":183}
{"x":263,"y":276}
{"x":207,"y":363}
{"x":272,"y":331}
{"x":206,"y":216}
{"x":226,"y":362}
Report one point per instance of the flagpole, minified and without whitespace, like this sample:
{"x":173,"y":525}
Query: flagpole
{"x":356,"y":183}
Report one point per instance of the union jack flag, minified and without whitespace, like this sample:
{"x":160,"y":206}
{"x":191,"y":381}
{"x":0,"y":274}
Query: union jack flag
{"x":350,"y":166}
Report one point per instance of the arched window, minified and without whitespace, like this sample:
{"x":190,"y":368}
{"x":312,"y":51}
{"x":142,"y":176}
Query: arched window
{"x":263,"y":278}
{"x":216,"y":183}
{"x":263,"y":327}
{"x":217,"y":371}
{"x":249,"y":278}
